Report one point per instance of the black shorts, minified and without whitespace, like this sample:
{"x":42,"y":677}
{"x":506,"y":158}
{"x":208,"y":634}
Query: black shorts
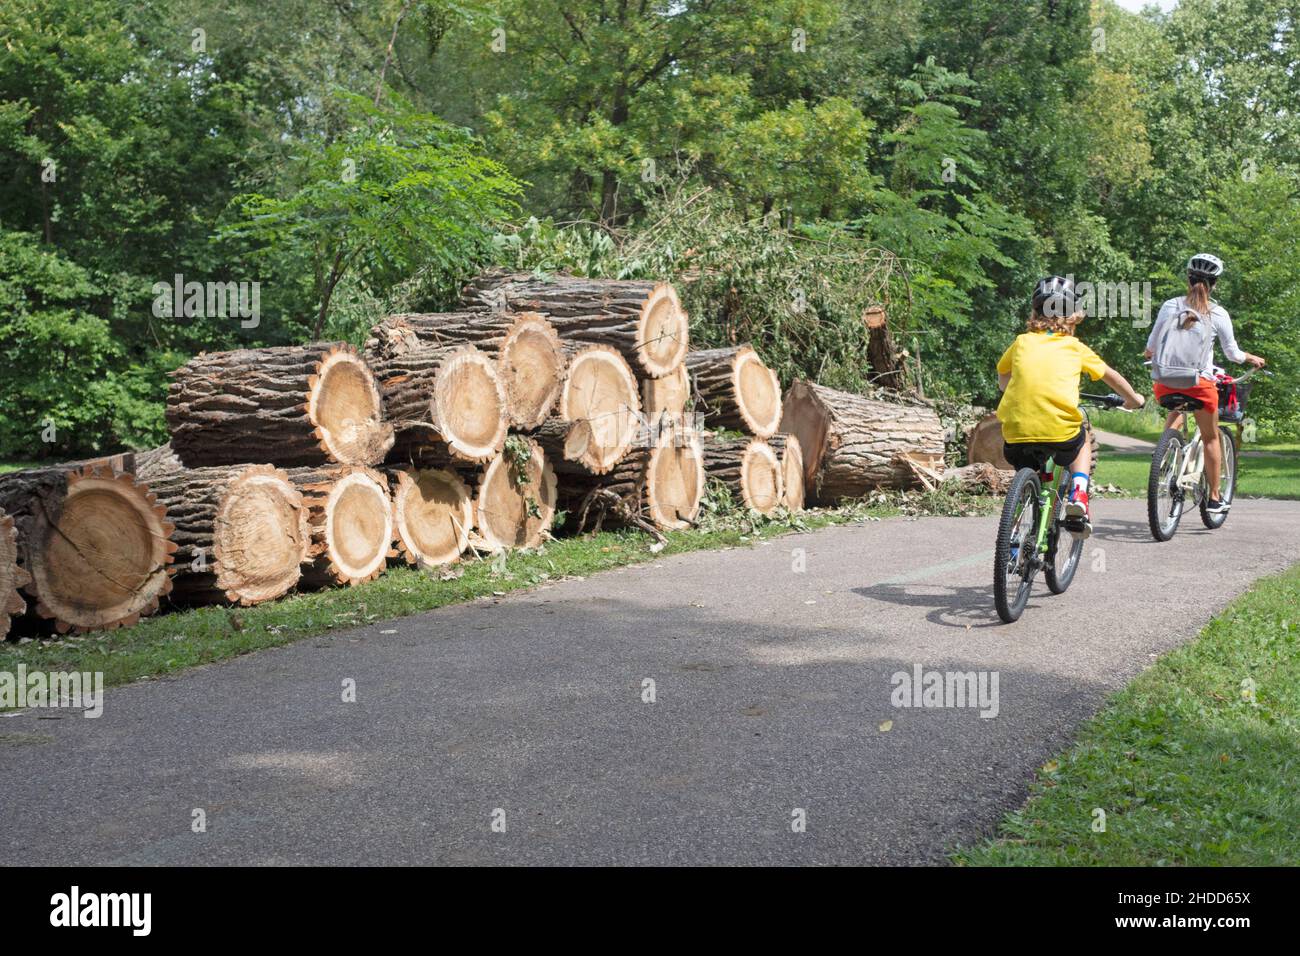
{"x":1035,"y":454}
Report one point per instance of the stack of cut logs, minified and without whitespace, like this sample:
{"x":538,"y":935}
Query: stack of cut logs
{"x":308,"y":466}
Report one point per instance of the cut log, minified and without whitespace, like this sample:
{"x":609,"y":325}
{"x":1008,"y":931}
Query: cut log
{"x":351,"y":520}
{"x":642,"y":320}
{"x":95,"y":542}
{"x":288,"y":405}
{"x":432,"y":514}
{"x":599,"y":415}
{"x":525,"y":346}
{"x":984,"y":444}
{"x":12,"y":577}
{"x":735,"y":390}
{"x":792,"y":481}
{"x":669,"y":395}
{"x":749,"y":469}
{"x":514,"y":504}
{"x":241,"y":532}
{"x":154,"y":463}
{"x":447,"y":395}
{"x":852,"y":444}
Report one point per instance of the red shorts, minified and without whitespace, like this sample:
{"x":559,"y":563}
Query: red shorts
{"x":1204,"y":391}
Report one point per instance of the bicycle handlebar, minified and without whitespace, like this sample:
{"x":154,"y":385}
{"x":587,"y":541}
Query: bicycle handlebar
{"x":1109,"y":401}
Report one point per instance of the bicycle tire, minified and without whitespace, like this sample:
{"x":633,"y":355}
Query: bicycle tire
{"x":1161,"y":529}
{"x":1058,"y":581}
{"x":1011,"y":606}
{"x":1228,"y":449}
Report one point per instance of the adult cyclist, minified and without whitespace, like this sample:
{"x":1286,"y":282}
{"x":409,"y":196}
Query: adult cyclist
{"x":1191,"y":323}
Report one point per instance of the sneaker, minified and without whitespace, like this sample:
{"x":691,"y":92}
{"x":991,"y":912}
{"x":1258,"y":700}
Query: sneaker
{"x":1077,"y":519}
{"x":1216,"y":507}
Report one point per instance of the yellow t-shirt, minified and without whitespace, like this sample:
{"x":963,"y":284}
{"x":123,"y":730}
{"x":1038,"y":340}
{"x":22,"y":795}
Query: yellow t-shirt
{"x":1041,"y":403}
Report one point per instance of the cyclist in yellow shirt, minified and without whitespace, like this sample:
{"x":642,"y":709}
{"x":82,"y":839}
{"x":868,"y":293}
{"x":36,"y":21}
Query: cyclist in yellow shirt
{"x":1039,"y":376}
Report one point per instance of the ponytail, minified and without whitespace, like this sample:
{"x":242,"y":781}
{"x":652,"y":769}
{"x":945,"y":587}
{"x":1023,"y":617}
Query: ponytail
{"x":1198,"y":302}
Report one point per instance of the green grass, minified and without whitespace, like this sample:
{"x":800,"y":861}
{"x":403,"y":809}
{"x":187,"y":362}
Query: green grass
{"x":1276,"y":475}
{"x":171,"y":642}
{"x":1188,"y":770}
{"x":1143,"y":424}
{"x":8,"y":466}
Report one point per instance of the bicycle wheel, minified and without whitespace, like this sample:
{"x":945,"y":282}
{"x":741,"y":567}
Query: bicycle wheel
{"x":1063,"y":549}
{"x":1228,"y":449}
{"x":1164,"y":498}
{"x":1014,"y":560}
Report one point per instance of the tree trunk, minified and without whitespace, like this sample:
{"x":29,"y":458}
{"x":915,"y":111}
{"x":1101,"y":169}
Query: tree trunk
{"x":433,"y":514}
{"x":749,"y":468}
{"x":643,"y":321}
{"x":984,"y":444}
{"x":888,"y":364}
{"x":289,"y":405}
{"x":241,"y":533}
{"x":444,"y":394}
{"x":350,"y":517}
{"x":525,"y":346}
{"x":853,"y":445}
{"x":600,"y":412}
{"x":154,"y":463}
{"x":95,"y":542}
{"x":735,"y":390}
{"x":12,"y":577}
{"x":514,"y":503}
{"x":790,"y":453}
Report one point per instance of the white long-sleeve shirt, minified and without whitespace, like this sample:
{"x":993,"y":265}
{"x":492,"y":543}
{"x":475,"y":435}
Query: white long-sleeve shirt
{"x":1219,"y":319}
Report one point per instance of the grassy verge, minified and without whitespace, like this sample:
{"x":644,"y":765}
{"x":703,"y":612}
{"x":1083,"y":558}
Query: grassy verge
{"x":171,"y":642}
{"x":1187,"y":767}
{"x":1275,"y":475}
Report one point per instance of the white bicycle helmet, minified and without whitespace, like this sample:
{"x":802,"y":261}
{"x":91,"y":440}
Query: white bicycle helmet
{"x":1203,"y":265}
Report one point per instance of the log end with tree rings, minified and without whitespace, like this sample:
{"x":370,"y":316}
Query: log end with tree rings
{"x":344,"y":405}
{"x":103,"y":558}
{"x":433,"y":513}
{"x":758,"y":393}
{"x":663,"y":331}
{"x":668,"y":395}
{"x":260,"y":536}
{"x":514,"y":505}
{"x":601,"y":401}
{"x":530,"y":364}
{"x":468,"y":405}
{"x":674,"y":480}
{"x":761,"y":484}
{"x":792,"y":475}
{"x":358,"y":528}
{"x":12,"y":577}
{"x":806,"y":418}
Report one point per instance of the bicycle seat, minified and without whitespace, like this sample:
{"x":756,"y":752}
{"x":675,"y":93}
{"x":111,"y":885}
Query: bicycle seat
{"x":1178,"y":402}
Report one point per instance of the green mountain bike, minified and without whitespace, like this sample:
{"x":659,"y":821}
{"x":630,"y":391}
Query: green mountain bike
{"x":1032,"y":535}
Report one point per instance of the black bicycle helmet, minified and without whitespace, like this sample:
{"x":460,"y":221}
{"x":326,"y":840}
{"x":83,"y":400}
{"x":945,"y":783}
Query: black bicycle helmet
{"x":1205,"y":267}
{"x":1054,"y":297}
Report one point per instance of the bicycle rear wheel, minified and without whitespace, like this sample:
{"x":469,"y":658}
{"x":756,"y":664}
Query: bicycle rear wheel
{"x":1228,"y":450}
{"x":1063,"y":549}
{"x":1165,"y":499}
{"x":1014,"y":558}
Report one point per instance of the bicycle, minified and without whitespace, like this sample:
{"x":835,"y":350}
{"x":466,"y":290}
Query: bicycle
{"x":1030,"y":533}
{"x":1178,"y":467}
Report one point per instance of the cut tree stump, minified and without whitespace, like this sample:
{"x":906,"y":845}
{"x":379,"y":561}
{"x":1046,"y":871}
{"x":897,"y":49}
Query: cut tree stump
{"x":735,"y":390}
{"x":888,"y":363}
{"x":241,"y":533}
{"x":351,"y":520}
{"x":749,"y":468}
{"x":433,"y":514}
{"x":12,"y":577}
{"x":790,"y":453}
{"x":525,"y":346}
{"x":642,"y":320}
{"x":853,"y":445}
{"x":514,"y":504}
{"x":669,"y":395}
{"x":447,"y":395}
{"x":599,"y":415}
{"x":289,"y":405}
{"x":95,"y":542}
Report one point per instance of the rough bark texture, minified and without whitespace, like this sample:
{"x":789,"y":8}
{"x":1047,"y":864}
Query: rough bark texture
{"x":241,"y":533}
{"x":888,"y":364}
{"x":525,"y":346}
{"x":12,"y":577}
{"x":852,"y":444}
{"x":735,"y":390}
{"x":290,"y":405}
{"x":790,"y":454}
{"x":643,"y":320}
{"x":154,"y":463}
{"x":443,"y":394}
{"x":599,"y":414}
{"x":433,"y":514}
{"x":350,"y":517}
{"x":748,"y":467}
{"x":514,"y":503}
{"x":95,"y":542}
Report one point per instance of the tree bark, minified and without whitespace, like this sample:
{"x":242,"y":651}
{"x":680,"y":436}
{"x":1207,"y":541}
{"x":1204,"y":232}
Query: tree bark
{"x":888,"y":364}
{"x":735,"y":390}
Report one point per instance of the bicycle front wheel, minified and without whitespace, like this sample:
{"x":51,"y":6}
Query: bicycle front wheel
{"x":1014,"y":557}
{"x":1063,"y":549}
{"x":1164,"y":498}
{"x":1228,"y":484}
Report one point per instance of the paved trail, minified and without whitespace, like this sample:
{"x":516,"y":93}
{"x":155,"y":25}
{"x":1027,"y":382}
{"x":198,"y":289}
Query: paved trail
{"x":771,"y":686}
